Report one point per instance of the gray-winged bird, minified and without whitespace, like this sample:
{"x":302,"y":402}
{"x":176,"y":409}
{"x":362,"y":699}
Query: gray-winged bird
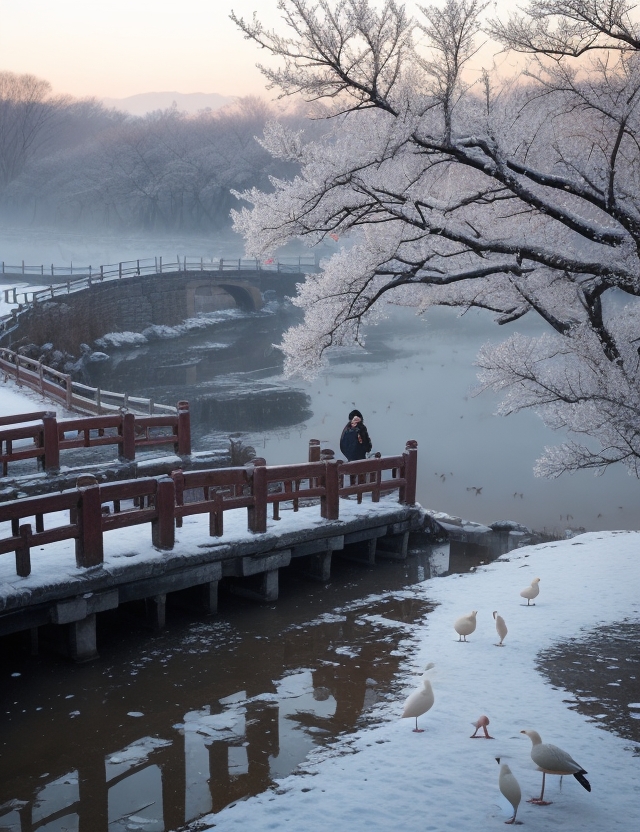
{"x":553,"y":760}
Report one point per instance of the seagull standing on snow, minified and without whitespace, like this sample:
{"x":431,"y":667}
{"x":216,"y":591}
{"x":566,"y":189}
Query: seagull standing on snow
{"x":420,"y":701}
{"x":532,"y":591}
{"x":465,"y":625}
{"x":510,"y":788}
{"x":553,"y":760}
{"x":501,"y":628}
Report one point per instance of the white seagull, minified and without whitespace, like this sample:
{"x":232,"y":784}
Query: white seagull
{"x":532,"y":591}
{"x":501,"y":628}
{"x":465,"y":625}
{"x":510,"y":788}
{"x":553,"y":760}
{"x":420,"y":701}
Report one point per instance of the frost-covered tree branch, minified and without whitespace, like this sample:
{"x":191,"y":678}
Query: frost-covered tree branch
{"x":517,"y":196}
{"x":562,"y":28}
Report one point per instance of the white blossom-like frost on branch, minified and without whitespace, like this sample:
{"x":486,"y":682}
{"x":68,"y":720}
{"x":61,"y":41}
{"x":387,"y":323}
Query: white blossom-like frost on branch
{"x":516,"y":195}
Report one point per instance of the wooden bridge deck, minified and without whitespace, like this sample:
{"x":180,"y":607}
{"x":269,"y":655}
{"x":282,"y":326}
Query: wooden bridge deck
{"x":59,"y":593}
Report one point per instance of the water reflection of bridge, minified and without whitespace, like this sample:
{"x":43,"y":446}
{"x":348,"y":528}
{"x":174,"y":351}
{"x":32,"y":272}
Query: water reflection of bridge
{"x":181,"y":765}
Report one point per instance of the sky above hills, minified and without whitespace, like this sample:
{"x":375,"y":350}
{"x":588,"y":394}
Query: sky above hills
{"x":123,"y":48}
{"x":120,"y":48}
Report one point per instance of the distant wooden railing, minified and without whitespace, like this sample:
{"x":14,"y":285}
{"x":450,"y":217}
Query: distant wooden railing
{"x":46,"y":439}
{"x":87,"y":276}
{"x":94,"y":509}
{"x":75,"y":396}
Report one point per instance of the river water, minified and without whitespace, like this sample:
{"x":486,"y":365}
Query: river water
{"x":414,"y":381}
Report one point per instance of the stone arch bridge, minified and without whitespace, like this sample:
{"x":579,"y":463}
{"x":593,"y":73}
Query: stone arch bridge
{"x":138,"y":302}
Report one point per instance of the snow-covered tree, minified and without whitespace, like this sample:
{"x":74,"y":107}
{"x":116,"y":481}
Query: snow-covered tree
{"x":28,"y":114}
{"x":166,"y":170}
{"x":458,"y":187}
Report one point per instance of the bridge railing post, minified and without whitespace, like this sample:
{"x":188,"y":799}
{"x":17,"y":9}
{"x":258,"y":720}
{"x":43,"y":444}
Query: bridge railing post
{"x":183,"y":444}
{"x":330,"y":503}
{"x":408,"y":493}
{"x":89,"y":545}
{"x":127,"y":433}
{"x":314,"y":450}
{"x":163,"y":527}
{"x":257,"y":513}
{"x":51,"y":443}
{"x":23,"y":551}
{"x":68,"y":384}
{"x":178,"y":480}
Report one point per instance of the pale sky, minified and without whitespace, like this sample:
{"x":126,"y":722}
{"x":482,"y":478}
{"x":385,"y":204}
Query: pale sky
{"x":117,"y":48}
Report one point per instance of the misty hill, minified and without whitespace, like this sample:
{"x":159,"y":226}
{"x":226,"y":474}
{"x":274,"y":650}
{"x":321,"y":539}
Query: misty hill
{"x":191,"y":102}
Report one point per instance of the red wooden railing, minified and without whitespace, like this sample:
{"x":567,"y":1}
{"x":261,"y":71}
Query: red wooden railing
{"x":95,"y":509}
{"x":23,"y":417}
{"x":130,"y":432}
{"x":60,"y":387}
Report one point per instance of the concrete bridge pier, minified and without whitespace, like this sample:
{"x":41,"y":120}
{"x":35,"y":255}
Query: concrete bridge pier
{"x":313,"y":558}
{"x":256,"y":577}
{"x":395,"y":546}
{"x":362,"y":545}
{"x":262,"y":587}
{"x":81,"y":642}
{"x":362,"y":552}
{"x":208,"y":597}
{"x":156,"y":611}
{"x":76,"y":618}
{"x":316,"y":566}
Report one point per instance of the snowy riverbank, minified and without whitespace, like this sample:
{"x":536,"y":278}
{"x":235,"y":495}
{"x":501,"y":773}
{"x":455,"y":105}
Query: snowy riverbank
{"x":391,"y":778}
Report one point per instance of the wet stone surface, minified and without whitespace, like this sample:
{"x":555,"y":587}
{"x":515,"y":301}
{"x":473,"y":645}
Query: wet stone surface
{"x":602,"y":671}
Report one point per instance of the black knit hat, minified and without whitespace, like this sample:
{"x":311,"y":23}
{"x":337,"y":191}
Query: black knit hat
{"x":355,"y":413}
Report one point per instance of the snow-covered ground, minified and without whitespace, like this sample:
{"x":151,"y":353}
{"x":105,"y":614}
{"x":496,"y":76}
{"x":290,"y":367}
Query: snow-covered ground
{"x":6,"y":307}
{"x":15,"y":400}
{"x":388,"y":777}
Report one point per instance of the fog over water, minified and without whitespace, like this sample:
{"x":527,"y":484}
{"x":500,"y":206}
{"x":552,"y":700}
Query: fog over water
{"x":413,"y":381}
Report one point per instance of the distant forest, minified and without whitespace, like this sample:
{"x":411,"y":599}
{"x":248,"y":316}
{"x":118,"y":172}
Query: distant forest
{"x":76,"y":163}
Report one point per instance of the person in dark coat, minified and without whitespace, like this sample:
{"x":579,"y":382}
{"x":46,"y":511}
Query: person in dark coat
{"x":355,"y":442}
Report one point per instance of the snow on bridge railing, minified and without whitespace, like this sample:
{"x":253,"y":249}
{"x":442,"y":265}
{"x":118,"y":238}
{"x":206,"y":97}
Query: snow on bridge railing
{"x":80,"y":397}
{"x":86,"y":276}
{"x":95,"y":508}
{"x":47,"y":438}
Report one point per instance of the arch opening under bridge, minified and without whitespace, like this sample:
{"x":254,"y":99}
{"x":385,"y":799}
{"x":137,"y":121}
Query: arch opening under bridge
{"x":213,"y":294}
